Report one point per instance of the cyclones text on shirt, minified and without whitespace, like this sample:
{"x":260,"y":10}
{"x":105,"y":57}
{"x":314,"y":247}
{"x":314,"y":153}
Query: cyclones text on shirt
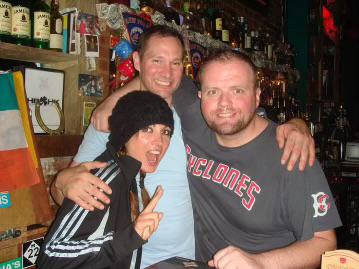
{"x":233,"y":179}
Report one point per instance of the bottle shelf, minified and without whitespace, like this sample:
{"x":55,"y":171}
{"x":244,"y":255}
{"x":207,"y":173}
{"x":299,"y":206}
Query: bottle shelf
{"x":36,"y":55}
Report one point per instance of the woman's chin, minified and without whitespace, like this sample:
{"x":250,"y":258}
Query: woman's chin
{"x":149,"y":169}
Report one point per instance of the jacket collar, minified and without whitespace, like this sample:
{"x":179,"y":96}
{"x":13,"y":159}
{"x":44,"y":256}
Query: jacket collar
{"x":129,"y":166}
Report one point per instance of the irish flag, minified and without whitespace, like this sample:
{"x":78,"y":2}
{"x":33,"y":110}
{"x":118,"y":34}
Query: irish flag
{"x":17,"y":163}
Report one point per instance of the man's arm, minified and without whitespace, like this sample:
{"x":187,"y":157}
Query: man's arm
{"x":78,"y":184}
{"x":100,"y":115}
{"x":301,"y":254}
{"x":298,"y":144}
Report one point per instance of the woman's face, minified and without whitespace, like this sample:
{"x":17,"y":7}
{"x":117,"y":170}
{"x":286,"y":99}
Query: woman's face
{"x":149,"y":145}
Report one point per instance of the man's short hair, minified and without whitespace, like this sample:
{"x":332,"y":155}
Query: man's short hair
{"x":225,"y":55}
{"x":157,"y":30}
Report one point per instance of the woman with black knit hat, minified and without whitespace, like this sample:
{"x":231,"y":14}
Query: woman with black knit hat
{"x":141,"y":128}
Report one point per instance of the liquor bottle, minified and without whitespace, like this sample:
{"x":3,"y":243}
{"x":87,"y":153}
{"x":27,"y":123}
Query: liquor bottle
{"x":146,"y":6}
{"x":218,"y":24}
{"x":234,"y":33}
{"x":268,"y":47}
{"x":255,"y":40}
{"x":171,"y":14}
{"x":5,"y":21}
{"x":247,"y":37}
{"x":209,"y":18}
{"x":21,"y":22}
{"x":186,"y":6}
{"x":225,"y":29}
{"x":56,"y":22}
{"x":41,"y":25}
{"x":340,"y":134}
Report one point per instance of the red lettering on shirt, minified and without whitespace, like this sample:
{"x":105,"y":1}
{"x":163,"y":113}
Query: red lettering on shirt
{"x":232,"y":177}
{"x":199,"y":162}
{"x":220,"y":173}
{"x":206,"y":174}
{"x":226,"y":176}
{"x":252,"y":187}
{"x":242,"y":185}
{"x":191,"y":162}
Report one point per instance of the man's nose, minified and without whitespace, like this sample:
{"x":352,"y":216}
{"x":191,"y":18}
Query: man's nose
{"x":166,"y":70}
{"x":224,"y":100}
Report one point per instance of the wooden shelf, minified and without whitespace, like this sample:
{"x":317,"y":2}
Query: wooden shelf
{"x":29,"y":54}
{"x":57,"y":145}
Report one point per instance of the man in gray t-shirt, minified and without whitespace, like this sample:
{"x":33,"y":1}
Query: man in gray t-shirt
{"x":249,"y":211}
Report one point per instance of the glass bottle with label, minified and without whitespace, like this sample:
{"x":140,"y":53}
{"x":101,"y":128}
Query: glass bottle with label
{"x":41,"y":25}
{"x":225,"y":28}
{"x":218,"y":24}
{"x":5,"y":21}
{"x":56,"y":21}
{"x":21,"y":22}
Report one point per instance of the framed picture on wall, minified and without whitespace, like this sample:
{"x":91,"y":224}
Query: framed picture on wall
{"x":45,"y":87}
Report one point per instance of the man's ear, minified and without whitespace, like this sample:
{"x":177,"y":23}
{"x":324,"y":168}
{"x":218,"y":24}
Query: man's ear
{"x":258,"y":96}
{"x":136,"y":60}
{"x":200,"y":94}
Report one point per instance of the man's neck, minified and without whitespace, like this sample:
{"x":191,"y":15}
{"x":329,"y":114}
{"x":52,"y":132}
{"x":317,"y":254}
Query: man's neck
{"x":246,"y":135}
{"x":168,"y":100}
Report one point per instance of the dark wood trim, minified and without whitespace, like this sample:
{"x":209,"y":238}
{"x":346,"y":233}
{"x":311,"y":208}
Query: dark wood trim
{"x":57,"y":145}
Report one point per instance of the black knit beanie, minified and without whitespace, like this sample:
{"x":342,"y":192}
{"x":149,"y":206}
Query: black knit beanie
{"x":135,"y":111}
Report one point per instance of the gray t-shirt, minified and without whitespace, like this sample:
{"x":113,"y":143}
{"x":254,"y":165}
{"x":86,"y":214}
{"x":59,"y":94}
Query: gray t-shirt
{"x":243,"y":196}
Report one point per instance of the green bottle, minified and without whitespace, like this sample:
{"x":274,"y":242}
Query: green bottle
{"x":41,"y":25}
{"x":21,"y":22}
{"x":5,"y":21}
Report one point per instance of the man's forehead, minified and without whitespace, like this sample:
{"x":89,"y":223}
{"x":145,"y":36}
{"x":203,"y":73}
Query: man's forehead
{"x":155,"y":45}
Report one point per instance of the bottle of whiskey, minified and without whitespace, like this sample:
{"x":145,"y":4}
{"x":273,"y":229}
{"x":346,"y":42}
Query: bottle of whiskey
{"x":5,"y":21}
{"x":218,"y":24}
{"x":170,"y":13}
{"x":21,"y":22}
{"x":225,"y":29}
{"x":41,"y":25}
{"x":56,"y":21}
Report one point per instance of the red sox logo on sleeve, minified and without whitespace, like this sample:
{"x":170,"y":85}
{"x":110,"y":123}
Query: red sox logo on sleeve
{"x":320,"y":204}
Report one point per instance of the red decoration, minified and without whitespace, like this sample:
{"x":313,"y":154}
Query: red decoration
{"x":328,"y":22}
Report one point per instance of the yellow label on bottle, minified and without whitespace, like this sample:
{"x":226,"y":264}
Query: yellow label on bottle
{"x":41,"y":25}
{"x":21,"y":24}
{"x":225,"y":35}
{"x":5,"y":17}
{"x":219,"y":24}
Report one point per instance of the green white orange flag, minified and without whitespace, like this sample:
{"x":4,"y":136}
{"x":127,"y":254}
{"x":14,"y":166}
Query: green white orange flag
{"x":17,"y":159}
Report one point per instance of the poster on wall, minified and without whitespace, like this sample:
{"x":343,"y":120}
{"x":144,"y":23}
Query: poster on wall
{"x":47,"y":87}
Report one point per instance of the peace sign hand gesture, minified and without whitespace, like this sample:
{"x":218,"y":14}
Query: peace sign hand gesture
{"x":147,"y":222}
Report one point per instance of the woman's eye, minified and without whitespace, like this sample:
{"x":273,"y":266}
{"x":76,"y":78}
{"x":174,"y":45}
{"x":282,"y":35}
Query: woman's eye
{"x":147,"y":129}
{"x":167,"y":132}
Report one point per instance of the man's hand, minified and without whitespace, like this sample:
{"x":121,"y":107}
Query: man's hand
{"x":79,"y":185}
{"x":298,"y":143}
{"x":100,"y":116}
{"x":147,"y":222}
{"x":235,"y":258}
